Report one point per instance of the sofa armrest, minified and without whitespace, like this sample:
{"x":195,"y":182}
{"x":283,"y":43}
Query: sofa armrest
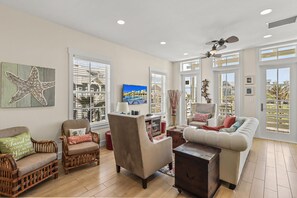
{"x":95,"y":137}
{"x":45,"y":146}
{"x":64,"y":144}
{"x":235,"y":141}
{"x":8,"y":166}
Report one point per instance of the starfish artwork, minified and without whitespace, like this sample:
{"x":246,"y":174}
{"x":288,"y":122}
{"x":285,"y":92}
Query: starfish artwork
{"x":31,"y":86}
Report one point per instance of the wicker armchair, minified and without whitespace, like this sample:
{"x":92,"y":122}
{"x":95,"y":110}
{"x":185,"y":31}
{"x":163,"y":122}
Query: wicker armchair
{"x":18,"y":176}
{"x":82,"y":153}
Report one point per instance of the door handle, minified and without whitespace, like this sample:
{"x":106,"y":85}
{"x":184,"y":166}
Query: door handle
{"x":262,"y":107}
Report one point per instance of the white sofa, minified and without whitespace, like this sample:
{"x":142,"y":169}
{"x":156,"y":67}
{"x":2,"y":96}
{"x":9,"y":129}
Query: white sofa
{"x":235,"y":147}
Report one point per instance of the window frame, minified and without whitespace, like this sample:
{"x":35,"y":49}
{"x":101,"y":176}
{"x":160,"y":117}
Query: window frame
{"x":108,"y":91}
{"x":273,"y":47}
{"x":227,"y":55}
{"x":163,"y":104}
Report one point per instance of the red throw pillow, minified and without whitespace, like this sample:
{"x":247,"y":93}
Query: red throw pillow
{"x":229,"y":121}
{"x":79,"y":139}
{"x":217,"y":128}
{"x":201,"y":117}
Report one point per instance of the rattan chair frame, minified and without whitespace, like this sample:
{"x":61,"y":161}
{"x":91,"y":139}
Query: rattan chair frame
{"x":12,"y":185}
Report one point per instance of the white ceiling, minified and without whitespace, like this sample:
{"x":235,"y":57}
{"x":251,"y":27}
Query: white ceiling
{"x":186,"y":25}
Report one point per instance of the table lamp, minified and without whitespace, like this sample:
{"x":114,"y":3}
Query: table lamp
{"x":123,"y":107}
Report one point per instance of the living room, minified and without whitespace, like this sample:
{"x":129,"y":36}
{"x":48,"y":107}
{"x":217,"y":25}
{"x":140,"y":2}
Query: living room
{"x":133,"y":43}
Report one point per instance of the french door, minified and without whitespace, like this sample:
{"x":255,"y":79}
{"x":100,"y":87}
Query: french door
{"x":278,"y":102}
{"x":190,"y":84}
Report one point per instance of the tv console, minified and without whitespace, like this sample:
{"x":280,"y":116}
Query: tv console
{"x":153,"y":124}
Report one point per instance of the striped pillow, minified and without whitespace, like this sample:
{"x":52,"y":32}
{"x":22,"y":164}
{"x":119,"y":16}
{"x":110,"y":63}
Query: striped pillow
{"x":79,"y":139}
{"x":201,"y":117}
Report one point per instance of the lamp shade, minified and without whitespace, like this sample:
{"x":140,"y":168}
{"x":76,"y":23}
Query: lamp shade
{"x":122,"y":107}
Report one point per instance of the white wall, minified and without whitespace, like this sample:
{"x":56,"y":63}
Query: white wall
{"x":29,"y":40}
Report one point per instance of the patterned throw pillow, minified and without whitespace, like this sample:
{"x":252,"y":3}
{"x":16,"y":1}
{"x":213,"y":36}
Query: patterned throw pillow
{"x":201,"y":117}
{"x":79,"y":139}
{"x":77,"y":132}
{"x":18,"y":146}
{"x":238,"y":123}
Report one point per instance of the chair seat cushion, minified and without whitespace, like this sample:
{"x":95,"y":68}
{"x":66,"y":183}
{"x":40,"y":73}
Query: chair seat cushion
{"x":82,"y":148}
{"x":197,"y":124}
{"x":33,"y":162}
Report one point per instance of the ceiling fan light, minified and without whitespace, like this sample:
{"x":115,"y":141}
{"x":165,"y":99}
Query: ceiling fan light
{"x":213,"y":52}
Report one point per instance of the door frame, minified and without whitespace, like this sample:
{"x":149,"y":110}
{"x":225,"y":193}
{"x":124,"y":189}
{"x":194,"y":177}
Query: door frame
{"x":262,"y":133}
{"x":197,"y":73}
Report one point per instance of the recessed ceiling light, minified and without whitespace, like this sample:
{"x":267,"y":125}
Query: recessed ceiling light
{"x":267,"y":36}
{"x":121,"y":22}
{"x":186,"y":54}
{"x":267,"y":11}
{"x":163,"y":43}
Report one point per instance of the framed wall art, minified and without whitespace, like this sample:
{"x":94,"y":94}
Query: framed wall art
{"x":249,"y":91}
{"x":26,"y":86}
{"x":249,"y":80}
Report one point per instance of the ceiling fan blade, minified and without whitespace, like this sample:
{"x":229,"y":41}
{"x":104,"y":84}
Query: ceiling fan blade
{"x":232,"y":39}
{"x":203,"y":57}
{"x":217,"y":55}
{"x":221,"y":47}
{"x":211,"y":42}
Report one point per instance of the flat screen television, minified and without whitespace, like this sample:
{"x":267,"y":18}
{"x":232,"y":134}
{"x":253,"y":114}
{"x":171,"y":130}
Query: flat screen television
{"x":134,"y":94}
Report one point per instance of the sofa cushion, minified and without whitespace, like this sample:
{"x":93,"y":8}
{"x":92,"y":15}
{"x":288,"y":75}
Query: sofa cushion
{"x":228,"y":130}
{"x":33,"y":162}
{"x":82,"y":148}
{"x":18,"y":146}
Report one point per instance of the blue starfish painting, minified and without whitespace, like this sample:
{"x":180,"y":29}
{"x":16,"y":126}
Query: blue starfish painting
{"x":26,"y":86}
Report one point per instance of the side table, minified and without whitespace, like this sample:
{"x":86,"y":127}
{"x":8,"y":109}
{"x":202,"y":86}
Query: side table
{"x":197,"y":169}
{"x":177,"y":136}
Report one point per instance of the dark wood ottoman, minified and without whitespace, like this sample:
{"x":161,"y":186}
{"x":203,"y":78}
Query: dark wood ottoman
{"x":197,"y":169}
{"x":177,"y":136}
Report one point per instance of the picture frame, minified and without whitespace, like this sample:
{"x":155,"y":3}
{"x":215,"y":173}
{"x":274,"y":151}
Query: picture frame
{"x":249,"y":80}
{"x":249,"y":91}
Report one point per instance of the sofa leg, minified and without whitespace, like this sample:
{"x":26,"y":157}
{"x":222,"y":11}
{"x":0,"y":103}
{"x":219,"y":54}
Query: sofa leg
{"x":170,"y":166}
{"x":232,"y":186}
{"x":118,"y":168}
{"x":144,"y":183}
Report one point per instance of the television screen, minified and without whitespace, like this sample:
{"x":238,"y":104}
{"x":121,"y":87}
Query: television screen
{"x":134,"y":94}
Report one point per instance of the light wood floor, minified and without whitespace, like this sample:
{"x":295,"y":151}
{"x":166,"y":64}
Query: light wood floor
{"x":270,"y":171}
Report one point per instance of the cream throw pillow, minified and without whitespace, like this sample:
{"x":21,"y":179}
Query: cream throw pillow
{"x":77,"y":132}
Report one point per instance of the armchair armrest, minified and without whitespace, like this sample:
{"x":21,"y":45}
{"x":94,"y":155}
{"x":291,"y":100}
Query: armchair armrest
{"x":8,"y":166}
{"x":64,"y":144}
{"x":46,"y":146}
{"x":95,"y":137}
{"x":189,"y":119}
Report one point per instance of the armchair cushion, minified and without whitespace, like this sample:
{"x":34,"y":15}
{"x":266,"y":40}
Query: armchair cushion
{"x":80,"y":139}
{"x":33,"y":162}
{"x":18,"y":146}
{"x":82,"y":148}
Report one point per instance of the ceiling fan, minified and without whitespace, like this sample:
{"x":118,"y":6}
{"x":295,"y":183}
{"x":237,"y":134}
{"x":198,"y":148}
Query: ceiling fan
{"x":218,"y":45}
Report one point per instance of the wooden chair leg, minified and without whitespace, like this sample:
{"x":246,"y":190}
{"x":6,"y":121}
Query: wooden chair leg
{"x":170,"y":166}
{"x":144,"y":183}
{"x":118,"y":168}
{"x":56,"y":175}
{"x":232,"y":186}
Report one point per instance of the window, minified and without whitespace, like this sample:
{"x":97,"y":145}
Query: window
{"x":190,"y":66}
{"x":158,"y":83}
{"x":227,"y":60}
{"x":90,"y":90}
{"x":226,"y":93}
{"x":278,"y":53}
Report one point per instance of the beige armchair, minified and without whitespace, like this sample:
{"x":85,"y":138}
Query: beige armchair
{"x":18,"y":176}
{"x":79,"y":154}
{"x":202,"y":108}
{"x":134,"y":151}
